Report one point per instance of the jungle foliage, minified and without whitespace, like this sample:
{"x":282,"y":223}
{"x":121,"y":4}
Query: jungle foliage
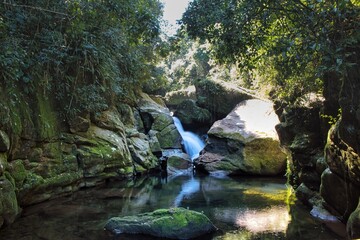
{"x":293,"y":43}
{"x":86,"y":53}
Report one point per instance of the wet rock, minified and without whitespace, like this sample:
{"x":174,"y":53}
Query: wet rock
{"x":157,"y":118}
{"x":4,"y":142}
{"x":245,"y":142}
{"x":175,"y":223}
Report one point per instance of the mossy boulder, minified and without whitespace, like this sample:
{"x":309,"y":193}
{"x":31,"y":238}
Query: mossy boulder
{"x":157,"y":118}
{"x":18,"y":172}
{"x":9,"y":208}
{"x":175,"y":98}
{"x":191,"y":114}
{"x":4,"y":142}
{"x":245,"y":142}
{"x":174,"y":223}
{"x":219,"y":97}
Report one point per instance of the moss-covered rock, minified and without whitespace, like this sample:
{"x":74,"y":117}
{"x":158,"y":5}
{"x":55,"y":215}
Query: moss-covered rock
{"x":219,"y":98}
{"x":175,"y":98}
{"x":141,"y":153}
{"x":4,"y":142}
{"x":18,"y":172}
{"x":175,"y":223}
{"x":169,"y":137}
{"x":191,"y":114}
{"x":245,"y":142}
{"x":9,"y":208}
{"x":79,"y":124}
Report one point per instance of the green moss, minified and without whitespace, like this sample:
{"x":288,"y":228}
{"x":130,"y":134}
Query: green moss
{"x":10,"y":178}
{"x":18,"y":172}
{"x":46,"y":119}
{"x":20,"y":112}
{"x":32,"y":180}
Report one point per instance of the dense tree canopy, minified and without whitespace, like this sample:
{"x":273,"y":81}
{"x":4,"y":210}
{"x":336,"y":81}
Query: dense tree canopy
{"x":294,"y":41}
{"x":86,"y":52}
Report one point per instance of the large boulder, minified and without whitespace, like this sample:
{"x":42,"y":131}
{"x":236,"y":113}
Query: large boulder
{"x":9,"y":208}
{"x":340,"y":196}
{"x":174,"y":223}
{"x":141,"y":153}
{"x":158,"y":118}
{"x":245,"y":142}
{"x":175,"y":98}
{"x":191,"y":114}
{"x":219,"y":98}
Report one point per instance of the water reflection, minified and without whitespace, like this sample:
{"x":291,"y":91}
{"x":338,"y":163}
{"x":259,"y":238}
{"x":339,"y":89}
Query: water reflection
{"x":187,"y":189}
{"x":240,"y":208}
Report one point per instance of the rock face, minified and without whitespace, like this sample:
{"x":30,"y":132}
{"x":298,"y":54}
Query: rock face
{"x":245,"y":142}
{"x":300,"y":132}
{"x":175,"y":223}
{"x":327,"y":159}
{"x":175,"y":98}
{"x":42,"y":157}
{"x":219,"y":98}
{"x":190,"y":114}
{"x":158,"y":119}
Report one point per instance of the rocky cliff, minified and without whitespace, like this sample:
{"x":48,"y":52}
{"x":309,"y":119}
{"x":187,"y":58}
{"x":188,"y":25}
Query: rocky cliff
{"x":44,"y":156}
{"x":325,"y":157}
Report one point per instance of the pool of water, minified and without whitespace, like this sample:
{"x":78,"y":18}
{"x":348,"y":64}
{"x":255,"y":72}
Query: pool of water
{"x":243,"y":208}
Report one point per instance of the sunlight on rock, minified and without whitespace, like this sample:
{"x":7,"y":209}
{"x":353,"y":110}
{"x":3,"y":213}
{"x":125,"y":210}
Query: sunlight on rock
{"x":257,"y":117}
{"x":274,"y":219}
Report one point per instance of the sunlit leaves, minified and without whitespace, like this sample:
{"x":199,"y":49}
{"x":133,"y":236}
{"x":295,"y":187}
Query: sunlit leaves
{"x":303,"y":38}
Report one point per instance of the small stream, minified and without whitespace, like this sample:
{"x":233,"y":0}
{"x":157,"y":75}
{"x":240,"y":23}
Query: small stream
{"x":243,"y":208}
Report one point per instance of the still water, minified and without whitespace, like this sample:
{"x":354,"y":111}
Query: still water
{"x":241,"y":208}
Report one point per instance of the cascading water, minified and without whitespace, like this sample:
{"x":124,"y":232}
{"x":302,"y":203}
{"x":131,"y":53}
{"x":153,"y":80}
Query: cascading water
{"x":192,"y":143}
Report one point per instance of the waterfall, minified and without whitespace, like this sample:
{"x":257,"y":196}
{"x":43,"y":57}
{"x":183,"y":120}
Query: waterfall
{"x":192,"y":143}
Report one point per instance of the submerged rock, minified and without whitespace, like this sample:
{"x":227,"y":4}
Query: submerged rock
{"x":245,"y":142}
{"x":175,"y":223}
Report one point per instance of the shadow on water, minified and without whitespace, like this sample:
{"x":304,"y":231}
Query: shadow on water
{"x":241,"y":209}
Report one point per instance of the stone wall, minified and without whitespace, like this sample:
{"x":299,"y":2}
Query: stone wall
{"x":43,"y":156}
